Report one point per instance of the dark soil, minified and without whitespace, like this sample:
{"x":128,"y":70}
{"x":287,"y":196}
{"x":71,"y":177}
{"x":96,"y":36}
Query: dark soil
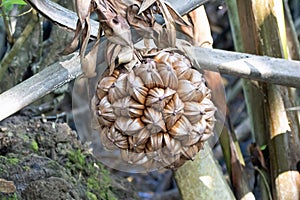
{"x":45,"y":160}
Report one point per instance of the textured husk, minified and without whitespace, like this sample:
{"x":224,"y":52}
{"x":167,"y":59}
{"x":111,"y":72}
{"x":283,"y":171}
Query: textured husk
{"x":158,"y":113}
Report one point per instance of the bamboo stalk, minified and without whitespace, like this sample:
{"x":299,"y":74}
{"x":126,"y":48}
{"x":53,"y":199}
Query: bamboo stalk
{"x":238,"y":64}
{"x":208,"y":184}
{"x":264,"y":34}
{"x":250,"y":87}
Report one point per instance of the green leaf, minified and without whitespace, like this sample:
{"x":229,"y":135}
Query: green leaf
{"x":263,"y":147}
{"x":13,"y":2}
{"x":8,"y":4}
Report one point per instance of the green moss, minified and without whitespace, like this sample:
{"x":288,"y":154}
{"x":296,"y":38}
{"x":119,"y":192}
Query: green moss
{"x":11,"y":161}
{"x":34,"y":146}
{"x":97,"y":177}
{"x":10,"y":197}
{"x":76,"y":160}
{"x":91,"y":196}
{"x":23,"y":136}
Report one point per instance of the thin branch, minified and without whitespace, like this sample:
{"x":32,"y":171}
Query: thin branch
{"x":39,"y":85}
{"x":5,"y":63}
{"x":262,"y":68}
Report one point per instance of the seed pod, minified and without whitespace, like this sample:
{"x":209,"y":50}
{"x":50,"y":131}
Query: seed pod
{"x":158,"y":113}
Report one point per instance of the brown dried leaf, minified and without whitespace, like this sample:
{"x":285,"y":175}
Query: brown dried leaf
{"x":170,"y":23}
{"x":83,"y":9}
{"x":7,"y":186}
{"x":89,"y":62}
{"x":115,"y":26}
{"x":75,"y":41}
{"x":176,"y":16}
{"x":145,"y":5}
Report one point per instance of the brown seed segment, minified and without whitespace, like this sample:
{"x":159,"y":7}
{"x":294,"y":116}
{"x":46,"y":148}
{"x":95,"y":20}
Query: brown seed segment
{"x":158,"y":114}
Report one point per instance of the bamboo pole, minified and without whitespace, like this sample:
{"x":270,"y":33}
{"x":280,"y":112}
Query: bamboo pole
{"x":264,"y":34}
{"x":205,"y":180}
{"x":272,"y":70}
{"x":250,"y":89}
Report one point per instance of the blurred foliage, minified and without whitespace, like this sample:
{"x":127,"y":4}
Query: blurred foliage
{"x":9,"y":4}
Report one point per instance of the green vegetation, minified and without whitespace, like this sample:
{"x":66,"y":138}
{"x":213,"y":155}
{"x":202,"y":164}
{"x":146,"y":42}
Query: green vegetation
{"x":10,"y":197}
{"x":8,"y":4}
{"x":12,"y":161}
{"x":98,"y":178}
{"x":34,"y":146}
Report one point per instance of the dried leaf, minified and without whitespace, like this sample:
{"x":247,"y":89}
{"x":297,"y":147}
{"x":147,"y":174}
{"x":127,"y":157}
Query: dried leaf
{"x":7,"y":186}
{"x":115,"y":26}
{"x":145,"y":5}
{"x":89,"y":62}
{"x":75,"y":41}
{"x":82,"y":9}
{"x":176,"y":16}
{"x":170,"y":24}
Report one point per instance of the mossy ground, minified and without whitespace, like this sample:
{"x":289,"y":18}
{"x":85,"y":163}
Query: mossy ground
{"x":47,"y":161}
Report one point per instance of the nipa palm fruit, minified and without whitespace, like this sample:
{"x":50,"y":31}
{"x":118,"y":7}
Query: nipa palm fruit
{"x":158,"y":114}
